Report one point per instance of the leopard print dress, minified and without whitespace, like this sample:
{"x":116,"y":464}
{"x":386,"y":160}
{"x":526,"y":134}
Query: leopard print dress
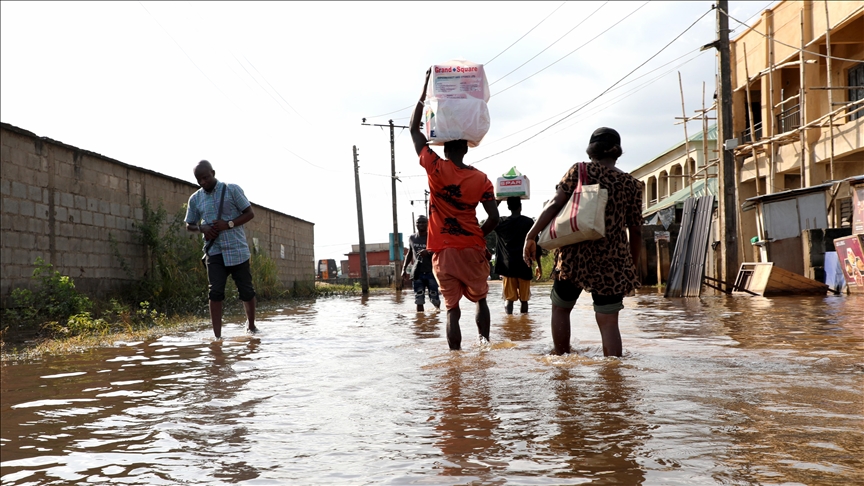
{"x":604,"y":266}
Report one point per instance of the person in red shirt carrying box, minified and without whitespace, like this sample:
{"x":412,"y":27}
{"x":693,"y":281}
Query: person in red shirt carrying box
{"x":457,"y":240}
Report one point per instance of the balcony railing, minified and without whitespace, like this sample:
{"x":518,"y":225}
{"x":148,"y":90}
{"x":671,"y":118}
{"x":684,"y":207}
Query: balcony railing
{"x":745,"y":135}
{"x":789,"y":119}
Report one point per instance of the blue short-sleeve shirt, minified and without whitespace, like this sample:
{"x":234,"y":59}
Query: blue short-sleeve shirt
{"x":202,"y":209}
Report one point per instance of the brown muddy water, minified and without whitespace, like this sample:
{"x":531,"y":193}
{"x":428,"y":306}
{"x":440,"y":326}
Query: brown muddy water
{"x":351,"y":390}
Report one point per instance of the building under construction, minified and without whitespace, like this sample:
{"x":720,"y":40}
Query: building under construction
{"x":798,"y":159}
{"x":797,"y":79}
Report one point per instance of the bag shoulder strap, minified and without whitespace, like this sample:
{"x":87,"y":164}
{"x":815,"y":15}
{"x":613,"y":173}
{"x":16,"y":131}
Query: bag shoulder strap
{"x":218,"y":216}
{"x":583,"y":175}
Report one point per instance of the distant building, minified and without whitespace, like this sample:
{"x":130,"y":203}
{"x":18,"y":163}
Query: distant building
{"x":670,"y":176}
{"x":378,"y":260}
{"x":687,"y":169}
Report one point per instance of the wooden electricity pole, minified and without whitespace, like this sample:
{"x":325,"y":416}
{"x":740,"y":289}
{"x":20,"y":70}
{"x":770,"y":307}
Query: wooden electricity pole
{"x":729,"y":210}
{"x":364,"y":274}
{"x":397,"y":247}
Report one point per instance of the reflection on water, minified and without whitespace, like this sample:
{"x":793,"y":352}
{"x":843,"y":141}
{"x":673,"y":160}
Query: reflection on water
{"x":355,"y":390}
{"x":466,"y":422}
{"x":598,"y":427}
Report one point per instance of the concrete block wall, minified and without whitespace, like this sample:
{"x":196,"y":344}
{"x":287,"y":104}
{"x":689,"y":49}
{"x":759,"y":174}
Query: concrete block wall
{"x":65,"y":204}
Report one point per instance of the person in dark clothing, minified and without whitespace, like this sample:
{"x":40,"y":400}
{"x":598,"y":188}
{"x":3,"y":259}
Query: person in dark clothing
{"x":422,"y":276}
{"x":509,"y":263}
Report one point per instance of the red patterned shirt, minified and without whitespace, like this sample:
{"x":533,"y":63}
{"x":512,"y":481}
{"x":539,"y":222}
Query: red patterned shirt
{"x":454,"y":195}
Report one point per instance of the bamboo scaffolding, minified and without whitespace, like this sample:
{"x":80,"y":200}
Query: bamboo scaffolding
{"x":772,"y":170}
{"x":686,"y":137}
{"x":750,"y":112}
{"x":803,"y":104}
{"x":791,"y":134}
{"x":830,"y":94}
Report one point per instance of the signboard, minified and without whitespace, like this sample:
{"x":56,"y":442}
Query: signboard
{"x":851,"y":256}
{"x":401,"y":246}
{"x":661,"y":235}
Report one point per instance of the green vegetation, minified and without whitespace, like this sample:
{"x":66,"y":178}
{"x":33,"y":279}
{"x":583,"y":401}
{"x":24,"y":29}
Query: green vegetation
{"x":547,"y":260}
{"x":171,"y":294}
{"x":175,"y":280}
{"x":54,"y":299}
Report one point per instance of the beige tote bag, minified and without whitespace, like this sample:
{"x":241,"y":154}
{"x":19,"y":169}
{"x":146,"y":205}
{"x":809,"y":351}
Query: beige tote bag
{"x":583,"y":218}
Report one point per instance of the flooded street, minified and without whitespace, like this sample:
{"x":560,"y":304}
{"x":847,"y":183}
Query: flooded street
{"x":347,"y":390}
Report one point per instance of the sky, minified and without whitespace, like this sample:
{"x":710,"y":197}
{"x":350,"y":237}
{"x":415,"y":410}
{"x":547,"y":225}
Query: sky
{"x":273,"y":94}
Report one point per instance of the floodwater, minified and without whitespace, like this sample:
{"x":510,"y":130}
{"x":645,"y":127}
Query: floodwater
{"x":351,"y":390}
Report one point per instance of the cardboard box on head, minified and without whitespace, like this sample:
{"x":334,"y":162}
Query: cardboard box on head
{"x":455,"y":104}
{"x":512,"y":184}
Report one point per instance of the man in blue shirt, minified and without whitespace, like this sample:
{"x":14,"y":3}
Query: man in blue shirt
{"x":228,"y":254}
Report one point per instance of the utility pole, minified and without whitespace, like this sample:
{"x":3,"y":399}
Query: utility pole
{"x":364,"y":274}
{"x":728,"y":207}
{"x":425,"y":204}
{"x":397,"y":247}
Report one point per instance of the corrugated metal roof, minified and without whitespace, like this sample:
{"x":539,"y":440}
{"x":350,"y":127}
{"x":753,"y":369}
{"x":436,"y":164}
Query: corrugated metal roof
{"x":751,"y":203}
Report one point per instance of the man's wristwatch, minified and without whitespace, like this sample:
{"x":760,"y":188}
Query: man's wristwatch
{"x":231,"y":224}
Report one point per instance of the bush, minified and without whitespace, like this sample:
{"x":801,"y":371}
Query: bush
{"x":546,"y":263}
{"x":175,"y":281}
{"x":265,"y":277}
{"x":78,"y":325}
{"x":54,"y":299}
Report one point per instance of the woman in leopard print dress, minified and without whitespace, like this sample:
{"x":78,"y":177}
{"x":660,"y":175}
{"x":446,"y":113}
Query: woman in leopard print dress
{"x":604,"y":267}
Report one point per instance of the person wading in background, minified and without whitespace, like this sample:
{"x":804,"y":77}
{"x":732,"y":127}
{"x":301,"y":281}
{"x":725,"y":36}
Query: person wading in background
{"x":228,"y":254}
{"x":515,"y":273}
{"x":422,"y":277}
{"x":459,"y":262}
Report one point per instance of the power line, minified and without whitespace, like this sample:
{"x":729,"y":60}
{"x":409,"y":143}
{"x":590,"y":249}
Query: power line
{"x":604,"y":91}
{"x":550,"y":45}
{"x":758,"y":12}
{"x":487,"y":62}
{"x":220,"y":90}
{"x":526,"y":33}
{"x":274,"y":89}
{"x":788,"y":45}
{"x":620,"y":98}
{"x":574,"y":50}
{"x":615,"y":89}
{"x":187,"y":54}
{"x":259,"y":84}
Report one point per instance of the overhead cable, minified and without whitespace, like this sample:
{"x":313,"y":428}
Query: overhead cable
{"x":187,"y":54}
{"x":550,"y":45}
{"x":758,"y":12}
{"x":526,"y":33}
{"x":274,"y":89}
{"x":487,"y":62}
{"x":574,"y":50}
{"x":216,"y":86}
{"x":602,"y":93}
{"x":615,"y":89}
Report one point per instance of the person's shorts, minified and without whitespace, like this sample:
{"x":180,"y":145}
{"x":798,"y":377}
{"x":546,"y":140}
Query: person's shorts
{"x":217,"y":275}
{"x":565,"y":293}
{"x":461,"y":271}
{"x":516,"y":289}
{"x":422,"y":282}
